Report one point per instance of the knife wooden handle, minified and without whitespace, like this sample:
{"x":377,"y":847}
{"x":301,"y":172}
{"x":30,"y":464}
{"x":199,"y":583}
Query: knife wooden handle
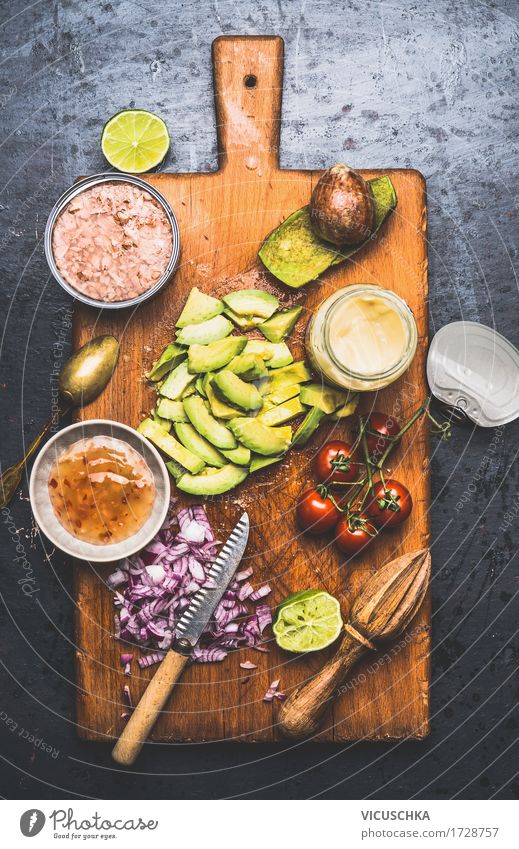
{"x":145,"y":714}
{"x":301,"y":714}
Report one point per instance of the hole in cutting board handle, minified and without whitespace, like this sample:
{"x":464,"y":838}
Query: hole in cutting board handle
{"x":250,"y":81}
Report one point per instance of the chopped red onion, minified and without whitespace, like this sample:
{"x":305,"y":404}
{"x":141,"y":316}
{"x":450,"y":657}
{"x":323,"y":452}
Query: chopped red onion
{"x":248,"y":665}
{"x":154,"y":587}
{"x":128,"y":696}
{"x":272,"y":692}
{"x":126,"y":660}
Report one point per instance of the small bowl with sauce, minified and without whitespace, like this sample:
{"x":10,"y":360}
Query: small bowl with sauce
{"x":112,"y":241}
{"x":99,"y":491}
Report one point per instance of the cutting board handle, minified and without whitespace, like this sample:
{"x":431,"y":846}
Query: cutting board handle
{"x":248,"y":84}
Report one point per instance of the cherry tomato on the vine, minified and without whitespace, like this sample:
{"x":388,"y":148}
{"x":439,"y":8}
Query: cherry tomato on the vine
{"x":389,"y":506}
{"x":382,"y":426}
{"x":315,"y":512}
{"x":334,"y":463}
{"x":354,"y":533}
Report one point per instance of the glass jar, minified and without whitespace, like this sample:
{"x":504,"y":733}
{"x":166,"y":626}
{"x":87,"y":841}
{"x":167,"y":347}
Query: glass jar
{"x":377,"y":322}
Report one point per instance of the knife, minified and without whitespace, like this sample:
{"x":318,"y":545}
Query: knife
{"x":187,"y":633}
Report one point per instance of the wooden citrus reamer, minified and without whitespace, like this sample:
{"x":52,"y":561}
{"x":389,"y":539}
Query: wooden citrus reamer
{"x":382,"y":611}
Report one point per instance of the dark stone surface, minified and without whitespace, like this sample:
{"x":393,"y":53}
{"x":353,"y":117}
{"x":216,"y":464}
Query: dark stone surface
{"x":430,"y":85}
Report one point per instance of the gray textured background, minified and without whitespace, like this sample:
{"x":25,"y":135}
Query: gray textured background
{"x":430,"y":85}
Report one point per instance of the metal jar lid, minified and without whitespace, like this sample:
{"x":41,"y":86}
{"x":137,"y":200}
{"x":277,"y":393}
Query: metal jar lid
{"x":473,"y":369}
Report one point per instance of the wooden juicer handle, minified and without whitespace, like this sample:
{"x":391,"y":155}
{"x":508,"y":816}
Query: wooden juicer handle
{"x":301,"y":714}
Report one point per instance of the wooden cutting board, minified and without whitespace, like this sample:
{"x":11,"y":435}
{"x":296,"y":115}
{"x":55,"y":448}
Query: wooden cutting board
{"x":223,"y":218}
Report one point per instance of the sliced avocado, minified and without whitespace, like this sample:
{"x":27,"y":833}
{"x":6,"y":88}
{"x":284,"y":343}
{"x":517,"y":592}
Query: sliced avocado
{"x":203,"y":358}
{"x":199,"y":386}
{"x":258,"y":462}
{"x":172,"y":410}
{"x":307,"y":427}
{"x":189,"y":390}
{"x":192,"y":440}
{"x":164,"y":423}
{"x":219,"y":408}
{"x":251,"y":302}
{"x":206,"y":332}
{"x":282,"y":395}
{"x":214,"y":481}
{"x":327,"y":398}
{"x":233,"y":390}
{"x":207,"y":425}
{"x":248,"y":366}
{"x":169,"y":445}
{"x":281,"y":355}
{"x":246,"y":322}
{"x":282,"y":413}
{"x":277,"y":355}
{"x":240,"y":456}
{"x":199,"y":307}
{"x":177,"y":382}
{"x":175,"y":469}
{"x":288,"y":375}
{"x":171,"y":356}
{"x":348,"y":408}
{"x":278,"y":326}
{"x":260,"y":438}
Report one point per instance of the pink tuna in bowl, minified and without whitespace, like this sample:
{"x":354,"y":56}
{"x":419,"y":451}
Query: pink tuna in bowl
{"x":112,"y":241}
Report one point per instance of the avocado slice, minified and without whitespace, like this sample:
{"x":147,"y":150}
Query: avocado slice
{"x":172,"y":410}
{"x":260,"y":438}
{"x":277,"y":355}
{"x":348,"y":408}
{"x":191,"y":439}
{"x":171,"y":356}
{"x":169,"y":445}
{"x":177,"y":382}
{"x":219,"y":408}
{"x":258,"y":462}
{"x":278,"y":326}
{"x":199,"y":386}
{"x":288,"y":375}
{"x":240,"y":456}
{"x":282,"y":413}
{"x":214,"y":481}
{"x":175,"y":469}
{"x":207,"y":425}
{"x":199,"y":307}
{"x":327,"y":398}
{"x":203,"y":358}
{"x":206,"y":332}
{"x":296,"y":255}
{"x":164,"y":423}
{"x":251,"y":302}
{"x":307,"y":427}
{"x":236,"y":391}
{"x":245,"y":322}
{"x":282,"y":395}
{"x":248,"y":366}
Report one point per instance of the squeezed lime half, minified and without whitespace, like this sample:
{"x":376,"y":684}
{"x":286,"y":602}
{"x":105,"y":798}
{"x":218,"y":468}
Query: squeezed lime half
{"x":307,"y":621}
{"x":135,"y":141}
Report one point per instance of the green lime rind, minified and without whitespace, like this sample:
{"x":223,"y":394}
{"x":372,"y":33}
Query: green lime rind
{"x":307,"y":621}
{"x":135,"y":141}
{"x":295,"y":255}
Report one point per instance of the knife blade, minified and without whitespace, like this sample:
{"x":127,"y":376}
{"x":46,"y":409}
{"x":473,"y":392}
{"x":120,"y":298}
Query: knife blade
{"x":190,"y":626}
{"x":187,"y":633}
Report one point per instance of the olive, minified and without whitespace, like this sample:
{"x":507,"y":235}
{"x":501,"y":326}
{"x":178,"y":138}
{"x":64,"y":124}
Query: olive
{"x":341,"y":207}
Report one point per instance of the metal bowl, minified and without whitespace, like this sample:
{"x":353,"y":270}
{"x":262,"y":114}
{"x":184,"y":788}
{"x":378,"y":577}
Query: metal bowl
{"x":41,"y":504}
{"x":87,"y":183}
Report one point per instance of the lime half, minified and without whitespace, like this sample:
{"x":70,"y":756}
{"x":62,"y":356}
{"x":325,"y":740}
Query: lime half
{"x":135,"y":141}
{"x":307,"y":621}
